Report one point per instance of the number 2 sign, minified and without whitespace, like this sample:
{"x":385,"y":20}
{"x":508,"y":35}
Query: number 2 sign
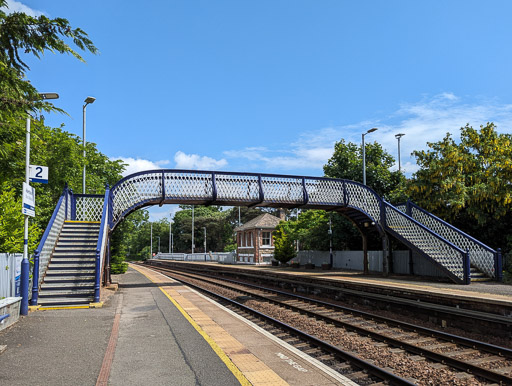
{"x":38,"y":174}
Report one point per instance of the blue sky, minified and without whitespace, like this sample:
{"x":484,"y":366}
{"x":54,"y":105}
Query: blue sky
{"x":269,"y":86}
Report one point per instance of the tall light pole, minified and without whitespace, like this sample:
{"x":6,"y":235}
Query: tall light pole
{"x":364,"y":153}
{"x":204,"y":243}
{"x":158,"y":237}
{"x":87,"y":101}
{"x":151,"y":243}
{"x":331,"y":260}
{"x":25,"y":265}
{"x":170,"y":236}
{"x":398,"y":136}
{"x":193,"y":229}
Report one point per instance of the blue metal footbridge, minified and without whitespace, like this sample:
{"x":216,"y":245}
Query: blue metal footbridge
{"x":452,"y":251}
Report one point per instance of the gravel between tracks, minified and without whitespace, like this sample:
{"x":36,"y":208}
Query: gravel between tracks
{"x":400,"y":362}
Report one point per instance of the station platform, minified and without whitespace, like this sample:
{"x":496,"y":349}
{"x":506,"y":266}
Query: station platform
{"x":487,"y":293}
{"x":152,"y":330}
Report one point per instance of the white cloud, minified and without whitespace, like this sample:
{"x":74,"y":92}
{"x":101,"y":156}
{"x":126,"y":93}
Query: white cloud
{"x":16,"y":6}
{"x":195,"y":161}
{"x":137,"y":164}
{"x":425,"y":121}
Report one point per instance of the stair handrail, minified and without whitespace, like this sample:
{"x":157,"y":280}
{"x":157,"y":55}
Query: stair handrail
{"x":466,"y":279}
{"x":100,"y":246}
{"x":51,"y":234}
{"x":496,"y":255}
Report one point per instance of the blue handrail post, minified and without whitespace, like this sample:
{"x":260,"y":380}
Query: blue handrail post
{"x":97,"y":281}
{"x":498,"y":265}
{"x":466,"y":265}
{"x":35,"y":281}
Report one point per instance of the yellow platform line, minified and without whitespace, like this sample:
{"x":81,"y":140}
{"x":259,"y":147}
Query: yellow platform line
{"x":246,"y":367}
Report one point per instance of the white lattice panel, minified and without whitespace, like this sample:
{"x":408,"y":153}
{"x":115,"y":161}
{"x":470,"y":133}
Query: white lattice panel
{"x":282,"y":190}
{"x":51,"y":240}
{"x":243,"y":188}
{"x":324,"y":192}
{"x":188,"y":186}
{"x":361,"y":197}
{"x":88,"y":208}
{"x":480,"y":257}
{"x":438,"y":250}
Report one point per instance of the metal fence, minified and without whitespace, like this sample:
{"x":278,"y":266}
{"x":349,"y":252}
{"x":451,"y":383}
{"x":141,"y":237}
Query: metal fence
{"x":353,"y":260}
{"x":220,"y":257}
{"x":9,"y":274}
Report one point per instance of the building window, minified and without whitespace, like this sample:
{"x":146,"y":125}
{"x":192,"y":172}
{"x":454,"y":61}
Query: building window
{"x":250,"y":239}
{"x":265,"y":238}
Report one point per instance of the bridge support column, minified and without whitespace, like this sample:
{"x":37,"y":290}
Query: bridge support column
{"x":365,"y":253}
{"x":386,"y":263}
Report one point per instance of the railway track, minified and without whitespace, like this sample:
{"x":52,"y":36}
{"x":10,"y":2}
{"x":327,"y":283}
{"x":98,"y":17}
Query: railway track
{"x":396,"y":343}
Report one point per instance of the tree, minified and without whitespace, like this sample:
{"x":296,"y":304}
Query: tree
{"x":284,"y":249}
{"x":468,"y":183}
{"x":24,"y":34}
{"x":347,"y":163}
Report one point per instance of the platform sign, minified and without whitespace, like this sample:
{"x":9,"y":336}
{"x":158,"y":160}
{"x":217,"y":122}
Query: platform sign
{"x":38,"y":174}
{"x":29,"y":200}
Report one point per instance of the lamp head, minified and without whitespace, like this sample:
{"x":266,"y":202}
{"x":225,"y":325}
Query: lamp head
{"x":372,"y":130}
{"x":398,"y":136}
{"x":49,"y":95}
{"x":89,"y":100}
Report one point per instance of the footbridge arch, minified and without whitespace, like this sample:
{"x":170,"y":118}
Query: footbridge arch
{"x":452,"y":251}
{"x":157,"y":187}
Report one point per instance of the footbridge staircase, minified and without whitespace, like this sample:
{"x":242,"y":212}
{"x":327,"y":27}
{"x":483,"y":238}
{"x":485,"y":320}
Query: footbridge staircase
{"x":449,"y":249}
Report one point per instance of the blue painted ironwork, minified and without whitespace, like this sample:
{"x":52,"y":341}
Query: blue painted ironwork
{"x":47,"y":244}
{"x":447,"y":256}
{"x":355,"y":200}
{"x":486,"y":259}
{"x":101,"y":245}
{"x":4,"y":316}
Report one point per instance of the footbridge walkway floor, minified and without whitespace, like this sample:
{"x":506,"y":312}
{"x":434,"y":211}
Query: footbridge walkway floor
{"x":152,"y":330}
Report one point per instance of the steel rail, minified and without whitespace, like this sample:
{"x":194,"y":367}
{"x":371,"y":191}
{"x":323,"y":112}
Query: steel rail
{"x":487,"y":347}
{"x":457,"y":364}
{"x":331,"y":349}
{"x":477,"y":315}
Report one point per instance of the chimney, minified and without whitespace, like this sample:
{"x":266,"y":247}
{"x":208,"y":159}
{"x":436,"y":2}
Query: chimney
{"x":282,"y":214}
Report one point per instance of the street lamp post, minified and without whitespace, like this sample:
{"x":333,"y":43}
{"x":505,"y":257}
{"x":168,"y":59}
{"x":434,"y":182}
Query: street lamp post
{"x":87,"y":101}
{"x":331,"y":262}
{"x":204,"y":243}
{"x":170,"y":237}
{"x":158,"y":237}
{"x":398,"y":136}
{"x":25,"y":265}
{"x":151,"y":243}
{"x":364,"y":153}
{"x":193,"y":229}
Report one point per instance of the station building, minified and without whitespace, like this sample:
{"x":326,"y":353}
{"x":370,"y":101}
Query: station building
{"x":254,"y":239}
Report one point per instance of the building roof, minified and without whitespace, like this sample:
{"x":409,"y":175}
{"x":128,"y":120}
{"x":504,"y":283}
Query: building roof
{"x":263,"y":221}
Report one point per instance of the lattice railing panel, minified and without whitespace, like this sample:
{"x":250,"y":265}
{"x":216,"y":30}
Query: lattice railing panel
{"x":232,"y":187}
{"x":359,"y":196}
{"x":325,"y":192}
{"x":188,"y":186}
{"x":444,"y":253}
{"x":51,"y":240}
{"x":481,"y":256}
{"x":401,"y":207}
{"x":88,"y":208}
{"x":282,"y":190}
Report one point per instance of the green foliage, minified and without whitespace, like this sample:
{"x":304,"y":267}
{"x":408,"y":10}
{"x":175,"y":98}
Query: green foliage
{"x":21,"y":34}
{"x":284,"y":249}
{"x":12,"y":224}
{"x":347,"y":163}
{"x":117,"y":265}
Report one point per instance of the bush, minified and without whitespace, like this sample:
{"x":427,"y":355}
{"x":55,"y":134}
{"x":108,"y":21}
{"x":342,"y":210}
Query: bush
{"x":284,"y":249}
